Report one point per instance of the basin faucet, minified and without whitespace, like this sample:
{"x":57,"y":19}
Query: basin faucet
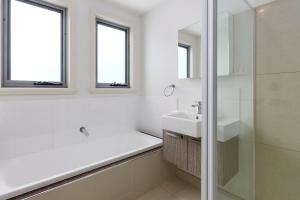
{"x":199,"y":106}
{"x":84,"y":131}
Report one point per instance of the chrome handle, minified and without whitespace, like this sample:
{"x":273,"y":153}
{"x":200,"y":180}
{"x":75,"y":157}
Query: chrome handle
{"x":195,"y":140}
{"x":172,"y":135}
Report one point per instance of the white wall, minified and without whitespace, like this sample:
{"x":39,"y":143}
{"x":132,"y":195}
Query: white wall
{"x":161,"y":27}
{"x":29,"y":124}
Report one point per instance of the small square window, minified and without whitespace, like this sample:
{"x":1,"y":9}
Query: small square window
{"x":34,"y":44}
{"x":183,"y":61}
{"x":112,"y":55}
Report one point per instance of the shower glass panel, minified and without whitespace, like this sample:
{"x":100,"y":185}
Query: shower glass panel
{"x":235,"y":103}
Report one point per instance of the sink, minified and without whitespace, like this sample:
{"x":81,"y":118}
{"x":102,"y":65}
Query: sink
{"x":185,"y":123}
{"x":228,"y":129}
{"x":189,"y":124}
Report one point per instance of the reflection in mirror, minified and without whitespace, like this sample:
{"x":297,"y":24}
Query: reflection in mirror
{"x":189,"y":52}
{"x":184,"y":61}
{"x":225,"y":44}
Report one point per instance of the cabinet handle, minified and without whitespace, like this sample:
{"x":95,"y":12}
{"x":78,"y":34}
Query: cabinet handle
{"x":172,"y":135}
{"x":195,"y":140}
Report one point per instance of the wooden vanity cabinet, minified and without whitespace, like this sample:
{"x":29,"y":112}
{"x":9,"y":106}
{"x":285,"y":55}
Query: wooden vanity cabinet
{"x":185,"y":153}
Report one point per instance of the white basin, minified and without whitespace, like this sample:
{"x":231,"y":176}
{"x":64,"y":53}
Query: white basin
{"x":189,"y":124}
{"x":228,"y":129}
{"x":184,"y":123}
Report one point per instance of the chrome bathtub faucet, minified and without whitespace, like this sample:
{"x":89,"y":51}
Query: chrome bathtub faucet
{"x":84,"y":131}
{"x":199,"y":106}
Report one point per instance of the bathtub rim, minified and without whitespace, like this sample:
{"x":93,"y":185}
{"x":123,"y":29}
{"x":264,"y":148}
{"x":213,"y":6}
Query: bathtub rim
{"x":56,"y":185}
{"x":23,"y":191}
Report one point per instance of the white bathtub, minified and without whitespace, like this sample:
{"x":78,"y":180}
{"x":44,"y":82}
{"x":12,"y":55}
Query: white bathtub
{"x":28,"y":173}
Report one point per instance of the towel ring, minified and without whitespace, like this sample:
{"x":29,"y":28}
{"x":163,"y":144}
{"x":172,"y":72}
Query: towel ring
{"x":171,"y":91}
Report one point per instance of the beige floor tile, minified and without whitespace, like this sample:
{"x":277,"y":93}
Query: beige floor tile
{"x":190,"y":193}
{"x":174,"y":185}
{"x":223,"y":195}
{"x":157,"y":194}
{"x":173,"y":189}
{"x":153,"y":169}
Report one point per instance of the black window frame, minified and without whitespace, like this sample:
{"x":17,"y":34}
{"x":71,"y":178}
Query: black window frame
{"x":188,"y":49}
{"x":127,"y":54}
{"x":6,"y":47}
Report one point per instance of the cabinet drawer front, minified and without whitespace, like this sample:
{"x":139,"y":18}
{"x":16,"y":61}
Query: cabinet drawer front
{"x":175,"y":149}
{"x":170,"y":146}
{"x":194,"y":157}
{"x":182,"y":153}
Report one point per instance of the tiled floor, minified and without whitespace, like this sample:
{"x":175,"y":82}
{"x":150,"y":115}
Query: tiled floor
{"x":173,"y":189}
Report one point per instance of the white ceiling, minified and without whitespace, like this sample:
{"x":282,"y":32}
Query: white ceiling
{"x":139,"y":6}
{"x":236,"y":6}
{"x":256,"y":3}
{"x":194,"y":29}
{"x":233,"y":6}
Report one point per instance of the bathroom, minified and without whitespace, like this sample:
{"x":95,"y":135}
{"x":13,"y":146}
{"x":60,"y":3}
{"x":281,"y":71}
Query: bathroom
{"x":149,"y":100}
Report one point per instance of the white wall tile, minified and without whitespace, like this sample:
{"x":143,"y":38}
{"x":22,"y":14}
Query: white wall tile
{"x":29,"y":124}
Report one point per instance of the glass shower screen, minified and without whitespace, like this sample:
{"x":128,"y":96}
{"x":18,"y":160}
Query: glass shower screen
{"x":235,"y":100}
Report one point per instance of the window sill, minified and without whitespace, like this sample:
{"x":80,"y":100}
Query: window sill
{"x":112,"y":90}
{"x":37,"y":91}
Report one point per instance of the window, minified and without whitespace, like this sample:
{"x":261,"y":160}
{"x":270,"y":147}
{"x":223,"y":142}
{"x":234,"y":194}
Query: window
{"x":112,"y":55}
{"x":34,"y":44}
{"x":183,"y":61}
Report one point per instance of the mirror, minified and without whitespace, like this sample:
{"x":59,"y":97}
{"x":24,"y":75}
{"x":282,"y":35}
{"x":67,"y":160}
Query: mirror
{"x":189,"y":52}
{"x":189,"y":48}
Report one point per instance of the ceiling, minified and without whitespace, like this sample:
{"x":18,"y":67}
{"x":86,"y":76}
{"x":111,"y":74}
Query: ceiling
{"x":256,"y":3}
{"x":139,"y":6}
{"x":236,"y":6}
{"x":194,"y":29}
{"x":233,"y":6}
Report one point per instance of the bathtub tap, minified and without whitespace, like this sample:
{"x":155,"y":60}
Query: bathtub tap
{"x":84,"y":131}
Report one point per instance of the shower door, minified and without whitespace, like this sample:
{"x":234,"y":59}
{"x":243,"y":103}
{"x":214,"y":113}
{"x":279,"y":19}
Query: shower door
{"x":229,"y":92}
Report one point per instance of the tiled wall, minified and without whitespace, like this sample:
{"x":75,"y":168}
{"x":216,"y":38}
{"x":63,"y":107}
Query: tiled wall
{"x":278,"y":101}
{"x":30,"y":124}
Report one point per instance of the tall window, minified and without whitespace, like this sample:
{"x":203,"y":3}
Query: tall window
{"x":183,"y":61}
{"x":112,"y":55}
{"x":34,"y":44}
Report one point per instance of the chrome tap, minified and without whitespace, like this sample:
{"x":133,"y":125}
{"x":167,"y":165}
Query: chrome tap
{"x":84,"y":131}
{"x":199,"y":106}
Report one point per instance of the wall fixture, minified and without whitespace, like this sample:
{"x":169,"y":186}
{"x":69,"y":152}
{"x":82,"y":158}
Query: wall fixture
{"x":169,"y":90}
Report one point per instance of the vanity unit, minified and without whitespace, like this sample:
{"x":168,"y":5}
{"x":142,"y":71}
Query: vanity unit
{"x":183,"y":151}
{"x":182,"y":144}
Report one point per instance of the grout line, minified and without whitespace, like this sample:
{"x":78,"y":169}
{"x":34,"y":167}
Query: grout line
{"x":277,"y":73}
{"x":277,"y":147}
